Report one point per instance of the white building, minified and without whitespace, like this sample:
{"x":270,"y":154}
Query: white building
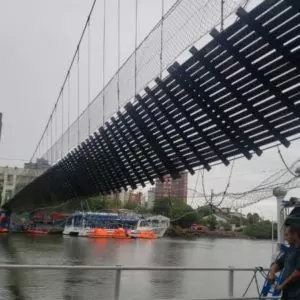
{"x":12,"y":180}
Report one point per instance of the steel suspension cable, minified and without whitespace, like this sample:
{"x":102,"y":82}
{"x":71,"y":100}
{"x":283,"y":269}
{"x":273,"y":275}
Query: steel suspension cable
{"x":69,"y":106}
{"x":135,"y":46}
{"x":65,"y":79}
{"x":162,"y":36}
{"x":119,"y":52}
{"x":62,"y":123}
{"x":89,"y":76}
{"x":78,"y":97}
{"x":103,"y":58}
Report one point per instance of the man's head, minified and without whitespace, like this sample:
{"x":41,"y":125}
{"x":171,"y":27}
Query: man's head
{"x":292,"y":234}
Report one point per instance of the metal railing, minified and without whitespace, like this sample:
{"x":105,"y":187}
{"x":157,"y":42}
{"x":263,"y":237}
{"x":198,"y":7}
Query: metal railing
{"x":120,"y":269}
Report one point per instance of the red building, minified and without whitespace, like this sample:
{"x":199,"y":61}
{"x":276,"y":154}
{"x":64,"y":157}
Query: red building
{"x":173,"y":188}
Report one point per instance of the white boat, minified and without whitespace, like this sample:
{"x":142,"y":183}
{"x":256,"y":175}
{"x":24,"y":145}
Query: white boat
{"x":81,"y":223}
{"x":156,"y":224}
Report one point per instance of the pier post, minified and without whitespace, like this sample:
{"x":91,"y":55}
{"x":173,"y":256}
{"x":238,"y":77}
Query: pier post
{"x":230,"y":282}
{"x":117,"y":284}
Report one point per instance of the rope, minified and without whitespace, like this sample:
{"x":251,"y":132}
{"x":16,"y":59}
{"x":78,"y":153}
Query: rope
{"x":62,"y":124}
{"x":203,"y":186}
{"x":119,"y":52}
{"x":173,"y":45}
{"x":48,"y":142}
{"x":285,"y":164}
{"x":65,"y":80}
{"x":89,"y":76}
{"x":162,"y":36}
{"x":135,"y":45}
{"x":78,"y":97}
{"x":55,"y":132}
{"x":103,"y":57}
{"x":195,"y":189}
{"x":51,"y":140}
{"x":228,"y":185}
{"x":254,"y":279}
{"x":222,"y":14}
{"x":69,"y":104}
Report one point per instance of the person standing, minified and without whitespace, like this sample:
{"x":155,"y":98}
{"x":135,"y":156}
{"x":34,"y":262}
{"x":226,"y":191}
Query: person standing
{"x":289,"y":263}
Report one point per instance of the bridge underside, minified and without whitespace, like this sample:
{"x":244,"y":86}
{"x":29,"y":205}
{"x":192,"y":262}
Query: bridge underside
{"x":234,"y":97}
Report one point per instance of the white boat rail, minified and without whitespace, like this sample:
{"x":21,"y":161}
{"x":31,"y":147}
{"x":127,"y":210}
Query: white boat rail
{"x":119,"y":269}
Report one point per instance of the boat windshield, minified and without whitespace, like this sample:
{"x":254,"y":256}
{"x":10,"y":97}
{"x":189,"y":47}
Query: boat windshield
{"x":154,"y":223}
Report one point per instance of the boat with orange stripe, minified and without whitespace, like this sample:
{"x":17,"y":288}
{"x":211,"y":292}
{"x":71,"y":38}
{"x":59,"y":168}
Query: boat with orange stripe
{"x":119,"y":233}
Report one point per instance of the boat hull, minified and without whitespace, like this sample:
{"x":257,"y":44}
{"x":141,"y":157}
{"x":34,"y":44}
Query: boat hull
{"x":76,"y":231}
{"x":37,"y":231}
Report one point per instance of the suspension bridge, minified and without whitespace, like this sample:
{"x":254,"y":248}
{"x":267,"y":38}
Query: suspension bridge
{"x":167,"y":110}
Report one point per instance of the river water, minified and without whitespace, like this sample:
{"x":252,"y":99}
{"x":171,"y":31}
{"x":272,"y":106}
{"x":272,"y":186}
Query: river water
{"x":87,"y":285}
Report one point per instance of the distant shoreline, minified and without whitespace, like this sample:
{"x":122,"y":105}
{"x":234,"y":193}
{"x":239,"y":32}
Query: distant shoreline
{"x":175,"y":232}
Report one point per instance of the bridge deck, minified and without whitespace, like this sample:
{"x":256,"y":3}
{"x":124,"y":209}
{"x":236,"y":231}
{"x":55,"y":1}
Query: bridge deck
{"x":235,"y":96}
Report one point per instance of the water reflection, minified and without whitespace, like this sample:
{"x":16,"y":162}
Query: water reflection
{"x":135,"y":285}
{"x":13,"y":277}
{"x":75,"y":253}
{"x":167,"y":284}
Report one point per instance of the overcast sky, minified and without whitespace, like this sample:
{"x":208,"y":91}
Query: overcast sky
{"x":38,"y":39}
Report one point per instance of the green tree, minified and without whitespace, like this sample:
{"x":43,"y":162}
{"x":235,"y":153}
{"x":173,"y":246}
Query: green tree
{"x":113,"y":203}
{"x":179,"y":212}
{"x":142,"y":210}
{"x":97,"y":203}
{"x":131,"y":205}
{"x":253,"y":218}
{"x":211,"y":222}
{"x":102,"y":203}
{"x":260,"y":230}
{"x":162,"y":207}
{"x":203,"y":211}
{"x":224,"y":225}
{"x":183,"y":215}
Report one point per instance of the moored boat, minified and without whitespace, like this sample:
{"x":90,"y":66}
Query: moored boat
{"x":137,"y":234}
{"x":119,"y":233}
{"x":157,"y":225}
{"x":119,"y":225}
{"x":101,"y":224}
{"x":37,"y":231}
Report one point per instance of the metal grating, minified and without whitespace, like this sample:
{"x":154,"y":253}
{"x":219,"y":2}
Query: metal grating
{"x":236,"y":95}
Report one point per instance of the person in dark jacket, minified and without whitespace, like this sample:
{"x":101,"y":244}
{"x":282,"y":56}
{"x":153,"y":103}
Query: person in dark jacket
{"x":289,"y":263}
